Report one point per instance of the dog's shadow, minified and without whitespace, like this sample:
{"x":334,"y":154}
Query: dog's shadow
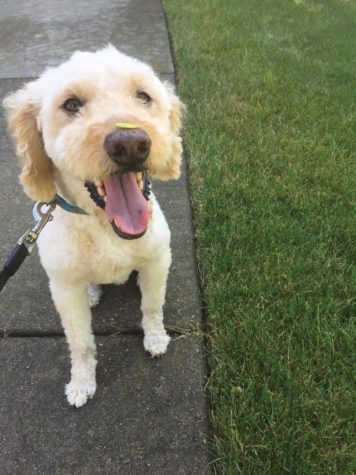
{"x":118,"y":309}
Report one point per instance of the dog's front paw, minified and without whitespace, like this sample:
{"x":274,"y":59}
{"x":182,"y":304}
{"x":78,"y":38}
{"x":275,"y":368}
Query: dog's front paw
{"x":78,"y":392}
{"x":156,"y":343}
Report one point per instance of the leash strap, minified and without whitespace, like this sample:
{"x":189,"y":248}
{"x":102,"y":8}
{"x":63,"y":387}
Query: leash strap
{"x":13,"y":262}
{"x":27,"y":242}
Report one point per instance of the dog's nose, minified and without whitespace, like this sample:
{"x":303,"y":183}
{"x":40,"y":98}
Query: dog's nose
{"x":128,"y":147}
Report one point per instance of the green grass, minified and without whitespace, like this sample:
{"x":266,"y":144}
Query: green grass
{"x":270,"y":90}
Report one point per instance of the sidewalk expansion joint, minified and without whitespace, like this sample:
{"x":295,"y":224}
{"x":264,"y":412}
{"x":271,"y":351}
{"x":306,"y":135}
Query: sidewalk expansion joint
{"x":33,"y":78}
{"x":22,"y":78}
{"x":174,"y":332}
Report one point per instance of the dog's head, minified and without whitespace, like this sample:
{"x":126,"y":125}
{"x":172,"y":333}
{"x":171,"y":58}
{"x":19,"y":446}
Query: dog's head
{"x":100,"y":119}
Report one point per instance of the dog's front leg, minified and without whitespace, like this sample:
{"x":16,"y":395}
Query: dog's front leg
{"x":153,"y":282}
{"x":73,"y":307}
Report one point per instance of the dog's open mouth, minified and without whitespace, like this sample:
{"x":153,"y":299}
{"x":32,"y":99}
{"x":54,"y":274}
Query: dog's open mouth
{"x":125,"y":200}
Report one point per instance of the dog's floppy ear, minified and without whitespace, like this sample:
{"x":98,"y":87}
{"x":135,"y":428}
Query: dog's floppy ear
{"x":37,"y":176}
{"x":175,"y":117}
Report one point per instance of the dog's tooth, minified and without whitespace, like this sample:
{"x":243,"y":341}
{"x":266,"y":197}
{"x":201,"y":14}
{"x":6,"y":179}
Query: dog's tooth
{"x":140,"y":184}
{"x":101,"y":191}
{"x":138,"y":176}
{"x":98,"y":183}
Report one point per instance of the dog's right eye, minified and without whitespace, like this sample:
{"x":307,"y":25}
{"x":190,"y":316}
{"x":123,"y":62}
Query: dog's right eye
{"x":72,"y":105}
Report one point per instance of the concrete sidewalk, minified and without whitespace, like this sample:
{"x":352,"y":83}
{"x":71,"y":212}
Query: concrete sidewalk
{"x":148,"y":416}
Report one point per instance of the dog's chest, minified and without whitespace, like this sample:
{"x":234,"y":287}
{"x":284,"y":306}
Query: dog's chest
{"x":81,"y":250}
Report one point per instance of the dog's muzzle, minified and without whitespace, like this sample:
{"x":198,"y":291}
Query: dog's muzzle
{"x":124,"y":195}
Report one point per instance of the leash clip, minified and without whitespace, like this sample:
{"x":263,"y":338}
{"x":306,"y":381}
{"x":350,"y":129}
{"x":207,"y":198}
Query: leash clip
{"x":42,"y":217}
{"x":27,"y":242}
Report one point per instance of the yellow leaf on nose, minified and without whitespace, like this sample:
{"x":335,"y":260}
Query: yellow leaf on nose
{"x":126,"y":125}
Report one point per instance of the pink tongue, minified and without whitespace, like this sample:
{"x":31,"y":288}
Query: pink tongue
{"x":125,"y":204}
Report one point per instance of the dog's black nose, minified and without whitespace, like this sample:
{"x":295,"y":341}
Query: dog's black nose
{"x":128,"y":147}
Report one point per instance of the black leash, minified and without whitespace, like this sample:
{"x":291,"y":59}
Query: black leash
{"x":27,"y":242}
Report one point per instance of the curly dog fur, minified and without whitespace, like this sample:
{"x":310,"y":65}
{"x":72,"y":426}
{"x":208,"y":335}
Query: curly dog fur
{"x":61,"y":150}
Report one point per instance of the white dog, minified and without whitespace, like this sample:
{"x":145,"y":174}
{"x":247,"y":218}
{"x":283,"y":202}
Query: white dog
{"x":90,"y":131}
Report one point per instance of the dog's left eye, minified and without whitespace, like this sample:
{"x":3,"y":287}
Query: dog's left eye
{"x":72,"y":105}
{"x":143,"y":96}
